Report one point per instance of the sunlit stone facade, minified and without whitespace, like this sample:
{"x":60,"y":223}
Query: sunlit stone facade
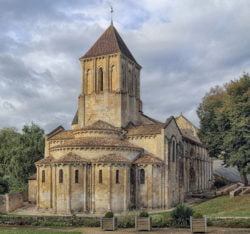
{"x":115,"y":157}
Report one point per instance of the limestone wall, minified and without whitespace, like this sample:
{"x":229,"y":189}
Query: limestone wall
{"x":32,"y":191}
{"x":10,"y":202}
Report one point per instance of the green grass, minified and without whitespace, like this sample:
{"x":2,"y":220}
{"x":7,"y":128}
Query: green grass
{"x":34,"y":232}
{"x":224,"y":206}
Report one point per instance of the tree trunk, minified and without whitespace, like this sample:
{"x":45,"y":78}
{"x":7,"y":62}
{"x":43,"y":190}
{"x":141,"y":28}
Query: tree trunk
{"x":244,"y":179}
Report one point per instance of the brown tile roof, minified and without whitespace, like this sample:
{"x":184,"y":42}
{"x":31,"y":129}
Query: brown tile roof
{"x":96,"y":142}
{"x":46,"y":161}
{"x":110,"y":42}
{"x":63,"y":135}
{"x":187,"y":133}
{"x":111,"y":158}
{"x":71,"y":157}
{"x":101,"y":125}
{"x":148,"y":129}
{"x":148,"y":159}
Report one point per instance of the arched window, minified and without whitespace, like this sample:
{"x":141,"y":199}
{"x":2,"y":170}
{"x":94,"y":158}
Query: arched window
{"x":130,"y":79}
{"x":117,"y":177}
{"x":124,"y":79}
{"x":173,"y":150}
{"x":100,"y":80}
{"x":76,"y":176}
{"x":132,"y":176}
{"x":100,"y":176}
{"x":43,"y":176}
{"x":135,"y":81}
{"x":112,"y":79}
{"x":60,"y":176}
{"x":142,"y":176}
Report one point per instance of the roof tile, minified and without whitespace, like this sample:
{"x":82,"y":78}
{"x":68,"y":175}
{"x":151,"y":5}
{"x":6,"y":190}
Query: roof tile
{"x":110,"y":42}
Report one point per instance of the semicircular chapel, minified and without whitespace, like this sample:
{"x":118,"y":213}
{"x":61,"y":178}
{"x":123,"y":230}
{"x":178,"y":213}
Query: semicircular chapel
{"x":116,"y":158}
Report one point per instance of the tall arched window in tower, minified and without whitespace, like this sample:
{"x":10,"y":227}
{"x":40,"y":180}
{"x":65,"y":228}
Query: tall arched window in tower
{"x":100,"y":80}
{"x":124,"y":79}
{"x":142,"y":176}
{"x":173,"y":150}
{"x":130,"y":82}
{"x":112,"y":78}
{"x":60,"y":176}
{"x":88,"y":82}
{"x":135,"y":82}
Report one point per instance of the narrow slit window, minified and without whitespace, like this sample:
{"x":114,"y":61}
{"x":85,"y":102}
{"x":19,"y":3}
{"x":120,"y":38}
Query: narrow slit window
{"x":76,"y":176}
{"x":100,"y":176}
{"x":174,"y":151}
{"x":117,"y":177}
{"x":100,"y":80}
{"x":60,"y":176}
{"x":43,"y":176}
{"x":142,"y":176}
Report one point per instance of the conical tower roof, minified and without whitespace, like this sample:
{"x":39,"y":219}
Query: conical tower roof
{"x":110,"y":42}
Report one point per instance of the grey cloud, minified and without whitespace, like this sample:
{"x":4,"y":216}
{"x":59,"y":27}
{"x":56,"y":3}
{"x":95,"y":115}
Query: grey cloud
{"x":185,"y":48}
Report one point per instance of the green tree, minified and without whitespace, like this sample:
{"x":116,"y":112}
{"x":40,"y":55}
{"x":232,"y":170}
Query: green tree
{"x":4,"y":187}
{"x":18,"y":152}
{"x":225,"y":124}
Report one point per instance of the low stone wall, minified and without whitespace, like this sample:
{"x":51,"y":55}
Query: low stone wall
{"x":2,"y":204}
{"x":10,"y":202}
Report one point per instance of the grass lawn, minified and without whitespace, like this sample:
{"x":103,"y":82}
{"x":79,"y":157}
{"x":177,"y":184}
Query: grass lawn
{"x":34,"y":232}
{"x":224,"y":206}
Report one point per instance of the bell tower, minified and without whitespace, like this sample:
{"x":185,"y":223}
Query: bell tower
{"x":110,"y":83}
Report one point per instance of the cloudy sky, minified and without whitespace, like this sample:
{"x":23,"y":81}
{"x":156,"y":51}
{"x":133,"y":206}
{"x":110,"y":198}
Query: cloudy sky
{"x":185,"y":47}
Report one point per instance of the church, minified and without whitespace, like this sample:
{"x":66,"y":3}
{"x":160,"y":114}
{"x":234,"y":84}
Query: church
{"x":116,"y":158}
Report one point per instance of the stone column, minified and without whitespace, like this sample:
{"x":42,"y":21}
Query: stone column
{"x":125,"y":186}
{"x":93,"y":189}
{"x":55,"y":190}
{"x":109,"y":186}
{"x":84,"y":187}
{"x":38,"y":188}
{"x":51,"y":188}
{"x":69,"y":190}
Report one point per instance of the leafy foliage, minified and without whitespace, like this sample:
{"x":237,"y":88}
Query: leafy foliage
{"x":18,"y":153}
{"x":225,"y":124}
{"x":109,"y":214}
{"x":181,"y":215}
{"x":143,"y":214}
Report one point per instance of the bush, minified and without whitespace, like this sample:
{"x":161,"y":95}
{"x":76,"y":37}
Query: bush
{"x":91,"y":223}
{"x":126,"y":221}
{"x":109,"y":214}
{"x":143,"y":214}
{"x":160,"y":221}
{"x":181,"y":215}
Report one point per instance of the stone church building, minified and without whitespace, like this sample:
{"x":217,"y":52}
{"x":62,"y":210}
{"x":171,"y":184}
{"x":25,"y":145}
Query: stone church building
{"x":115,"y":157}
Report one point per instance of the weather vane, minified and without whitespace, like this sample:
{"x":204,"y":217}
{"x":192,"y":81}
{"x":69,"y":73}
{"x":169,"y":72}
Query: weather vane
{"x":111,"y":14}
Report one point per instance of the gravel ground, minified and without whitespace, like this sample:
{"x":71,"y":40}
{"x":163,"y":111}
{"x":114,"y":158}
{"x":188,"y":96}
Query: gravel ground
{"x":86,"y":230}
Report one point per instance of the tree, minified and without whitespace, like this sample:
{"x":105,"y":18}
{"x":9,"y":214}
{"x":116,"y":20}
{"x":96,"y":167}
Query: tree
{"x":225,"y":124}
{"x":18,"y":153}
{"x":4,"y":187}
